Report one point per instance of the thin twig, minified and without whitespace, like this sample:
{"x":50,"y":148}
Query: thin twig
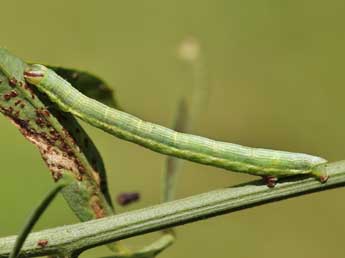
{"x":82,"y":236}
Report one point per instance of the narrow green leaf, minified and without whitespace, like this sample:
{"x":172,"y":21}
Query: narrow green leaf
{"x":36,"y":214}
{"x":151,"y":250}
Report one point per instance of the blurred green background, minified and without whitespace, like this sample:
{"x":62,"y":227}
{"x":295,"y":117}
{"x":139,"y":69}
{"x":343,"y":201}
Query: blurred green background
{"x":275,"y":68}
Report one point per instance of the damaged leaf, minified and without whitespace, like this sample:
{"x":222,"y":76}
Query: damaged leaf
{"x":61,"y":141}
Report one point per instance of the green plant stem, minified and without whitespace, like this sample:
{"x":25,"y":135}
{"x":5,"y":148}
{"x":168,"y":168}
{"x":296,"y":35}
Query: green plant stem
{"x":82,"y":236}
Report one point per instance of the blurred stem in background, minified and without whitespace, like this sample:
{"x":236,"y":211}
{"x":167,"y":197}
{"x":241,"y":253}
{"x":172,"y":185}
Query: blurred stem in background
{"x":187,"y":115}
{"x":188,"y":110}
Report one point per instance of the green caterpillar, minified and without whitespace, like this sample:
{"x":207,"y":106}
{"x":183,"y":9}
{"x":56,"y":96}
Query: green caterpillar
{"x":270,"y":164}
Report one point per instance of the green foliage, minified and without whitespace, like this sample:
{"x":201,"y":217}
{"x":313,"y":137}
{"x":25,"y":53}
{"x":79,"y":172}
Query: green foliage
{"x":82,"y":236}
{"x":63,"y":144}
{"x":65,"y":147}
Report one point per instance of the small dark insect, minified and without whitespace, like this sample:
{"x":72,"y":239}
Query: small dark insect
{"x":127,"y":198}
{"x":42,"y":243}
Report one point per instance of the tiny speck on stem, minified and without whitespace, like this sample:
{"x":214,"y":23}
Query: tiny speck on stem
{"x":42,"y":243}
{"x":270,"y":181}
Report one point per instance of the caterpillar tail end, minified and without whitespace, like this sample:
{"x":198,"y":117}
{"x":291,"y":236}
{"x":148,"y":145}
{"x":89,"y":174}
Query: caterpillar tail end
{"x":320,"y":172}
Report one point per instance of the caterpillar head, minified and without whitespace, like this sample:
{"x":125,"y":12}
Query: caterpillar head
{"x":35,"y":73}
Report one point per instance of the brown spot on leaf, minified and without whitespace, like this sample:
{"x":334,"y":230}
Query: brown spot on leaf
{"x":58,"y":154}
{"x":13,"y":82}
{"x":7,"y":96}
{"x":56,"y":175}
{"x":42,"y":243}
{"x":96,"y":177}
{"x":52,"y":156}
{"x":40,"y":121}
{"x":14,"y":94}
{"x":9,"y":110}
{"x":96,"y":206}
{"x":46,"y":112}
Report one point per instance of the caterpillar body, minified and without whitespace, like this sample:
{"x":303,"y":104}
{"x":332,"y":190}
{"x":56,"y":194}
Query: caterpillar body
{"x":271,"y":164}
